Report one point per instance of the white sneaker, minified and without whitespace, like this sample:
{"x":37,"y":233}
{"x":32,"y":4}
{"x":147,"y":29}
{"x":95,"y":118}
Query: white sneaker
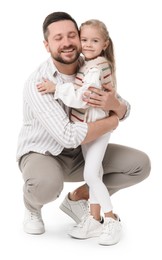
{"x":111,"y":232}
{"x":87,"y":228}
{"x":33,"y":223}
{"x":75,"y":209}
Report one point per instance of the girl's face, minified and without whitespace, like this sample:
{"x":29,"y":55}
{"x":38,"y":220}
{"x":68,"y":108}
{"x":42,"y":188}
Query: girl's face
{"x":92,"y":41}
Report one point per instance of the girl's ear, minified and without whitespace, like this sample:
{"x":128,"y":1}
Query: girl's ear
{"x":106,"y":45}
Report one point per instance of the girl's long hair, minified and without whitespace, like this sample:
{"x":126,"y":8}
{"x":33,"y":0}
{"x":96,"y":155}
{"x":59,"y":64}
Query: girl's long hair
{"x":108,"y":53}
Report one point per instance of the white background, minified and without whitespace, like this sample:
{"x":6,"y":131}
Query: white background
{"x":135,"y":28}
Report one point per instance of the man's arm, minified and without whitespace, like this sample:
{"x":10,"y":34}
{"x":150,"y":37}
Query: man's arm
{"x":54,"y":120}
{"x":120,"y":108}
{"x":100,"y":127}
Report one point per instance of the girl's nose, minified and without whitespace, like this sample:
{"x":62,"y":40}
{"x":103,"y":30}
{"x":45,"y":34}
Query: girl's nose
{"x":88,"y":43}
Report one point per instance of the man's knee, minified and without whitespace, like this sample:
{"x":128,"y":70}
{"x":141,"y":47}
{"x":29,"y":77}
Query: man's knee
{"x":42,"y":191}
{"x":145,"y":165}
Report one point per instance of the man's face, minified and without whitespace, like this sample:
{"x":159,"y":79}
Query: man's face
{"x":63,"y":42}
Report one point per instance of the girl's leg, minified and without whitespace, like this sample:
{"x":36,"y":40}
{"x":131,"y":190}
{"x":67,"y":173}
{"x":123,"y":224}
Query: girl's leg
{"x":93,"y":172}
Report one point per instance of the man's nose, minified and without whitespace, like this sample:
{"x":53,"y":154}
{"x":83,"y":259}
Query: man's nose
{"x":66,"y":41}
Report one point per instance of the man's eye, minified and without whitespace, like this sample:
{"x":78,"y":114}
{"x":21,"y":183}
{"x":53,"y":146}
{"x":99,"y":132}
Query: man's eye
{"x":72,"y":36}
{"x":57,"y":39}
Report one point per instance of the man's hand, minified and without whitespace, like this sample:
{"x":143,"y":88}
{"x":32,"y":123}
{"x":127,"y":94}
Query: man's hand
{"x":105,"y":99}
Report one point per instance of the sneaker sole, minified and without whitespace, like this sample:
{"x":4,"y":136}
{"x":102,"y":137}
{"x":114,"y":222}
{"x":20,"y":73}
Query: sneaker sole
{"x":104,"y":243}
{"x":34,"y":232}
{"x":78,"y":236}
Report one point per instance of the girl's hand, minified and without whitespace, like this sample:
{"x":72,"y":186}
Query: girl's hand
{"x":46,"y":86}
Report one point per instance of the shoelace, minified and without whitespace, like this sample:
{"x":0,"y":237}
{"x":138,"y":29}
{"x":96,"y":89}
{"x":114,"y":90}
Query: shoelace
{"x":108,"y":227}
{"x":35,"y":215}
{"x":85,"y":206}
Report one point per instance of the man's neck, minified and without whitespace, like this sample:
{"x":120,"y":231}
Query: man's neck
{"x":68,"y":69}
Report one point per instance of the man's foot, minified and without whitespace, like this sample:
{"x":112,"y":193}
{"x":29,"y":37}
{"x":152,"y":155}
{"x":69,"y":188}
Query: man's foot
{"x":111,"y":232}
{"x":33,"y":223}
{"x":87,"y":228}
{"x":75,"y":209}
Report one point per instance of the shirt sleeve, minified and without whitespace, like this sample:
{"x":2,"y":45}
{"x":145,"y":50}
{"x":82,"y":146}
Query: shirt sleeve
{"x":72,"y":96}
{"x":48,"y":112}
{"x":127,"y":105}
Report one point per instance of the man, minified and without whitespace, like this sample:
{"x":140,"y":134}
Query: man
{"x":49,"y":151}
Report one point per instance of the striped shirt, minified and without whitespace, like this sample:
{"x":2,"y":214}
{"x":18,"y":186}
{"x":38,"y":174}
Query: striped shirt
{"x":46,"y":126}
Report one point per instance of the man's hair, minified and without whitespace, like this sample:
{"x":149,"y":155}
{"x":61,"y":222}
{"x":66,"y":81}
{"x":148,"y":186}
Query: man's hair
{"x":55,"y":17}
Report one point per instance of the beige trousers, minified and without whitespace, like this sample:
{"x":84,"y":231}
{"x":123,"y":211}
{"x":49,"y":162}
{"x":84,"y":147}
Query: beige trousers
{"x":44,"y":175}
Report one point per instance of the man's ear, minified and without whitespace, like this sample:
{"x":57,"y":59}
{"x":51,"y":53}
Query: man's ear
{"x":46,"y":45}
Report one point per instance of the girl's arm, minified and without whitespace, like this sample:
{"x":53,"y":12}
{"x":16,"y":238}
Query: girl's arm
{"x":72,"y":96}
{"x":66,"y":92}
{"x":77,"y":97}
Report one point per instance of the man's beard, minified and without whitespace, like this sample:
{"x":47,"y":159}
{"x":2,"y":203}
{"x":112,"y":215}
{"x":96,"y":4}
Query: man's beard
{"x":58,"y":58}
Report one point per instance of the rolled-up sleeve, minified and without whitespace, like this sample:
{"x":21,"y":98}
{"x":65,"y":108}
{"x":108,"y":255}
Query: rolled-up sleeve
{"x":127,"y":105}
